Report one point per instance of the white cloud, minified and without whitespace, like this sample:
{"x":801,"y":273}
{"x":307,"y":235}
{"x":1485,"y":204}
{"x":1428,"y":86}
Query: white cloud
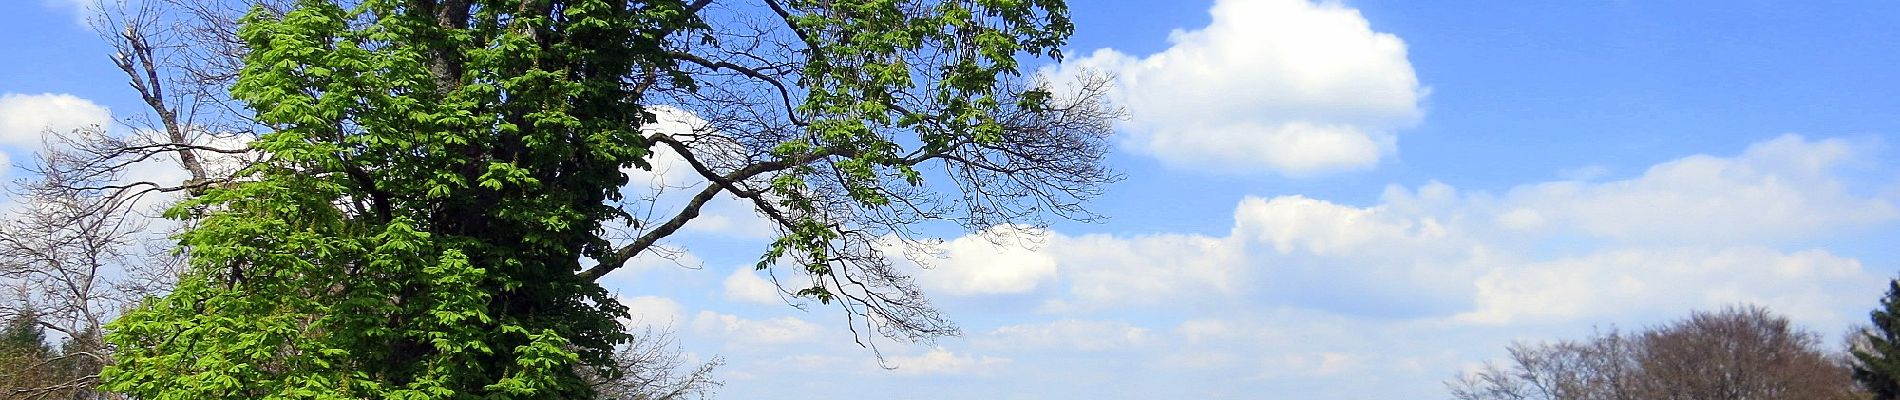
{"x":654,"y":259}
{"x":1003,"y":259}
{"x":745,"y":285}
{"x":1298,"y":224}
{"x":225,"y":164}
{"x":1712,"y":229}
{"x":1106,"y":270}
{"x":1360,"y":260}
{"x":1288,"y":86}
{"x":1281,"y":244}
{"x":653,"y":310}
{"x":939,"y":361}
{"x":165,"y":169}
{"x":1807,"y":285}
{"x":779,"y":330}
{"x":672,"y":180}
{"x":1079,"y":335}
{"x":1780,"y":188}
{"x":25,"y":118}
{"x":1284,"y":342}
{"x":668,"y":168}
{"x":1695,"y":232}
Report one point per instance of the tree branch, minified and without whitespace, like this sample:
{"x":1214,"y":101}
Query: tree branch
{"x":725,"y":182}
{"x":784,"y":93}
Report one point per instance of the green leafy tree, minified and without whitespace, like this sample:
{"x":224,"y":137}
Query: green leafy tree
{"x":443,"y":180}
{"x":1877,"y":363}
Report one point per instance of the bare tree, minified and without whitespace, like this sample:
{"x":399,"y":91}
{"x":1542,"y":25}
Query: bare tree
{"x":652,"y":367}
{"x":1737,"y":353}
{"x":1603,"y":367}
{"x":79,"y":247}
{"x":76,"y":259}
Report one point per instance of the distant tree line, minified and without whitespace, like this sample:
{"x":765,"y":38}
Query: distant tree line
{"x":1743,"y":352}
{"x":1738,"y":352}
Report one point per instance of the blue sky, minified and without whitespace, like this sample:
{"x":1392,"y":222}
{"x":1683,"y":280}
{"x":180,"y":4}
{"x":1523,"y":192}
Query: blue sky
{"x":1350,"y":200}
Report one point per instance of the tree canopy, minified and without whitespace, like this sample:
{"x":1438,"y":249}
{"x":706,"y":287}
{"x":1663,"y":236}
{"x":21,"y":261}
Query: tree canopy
{"x":442,"y":181}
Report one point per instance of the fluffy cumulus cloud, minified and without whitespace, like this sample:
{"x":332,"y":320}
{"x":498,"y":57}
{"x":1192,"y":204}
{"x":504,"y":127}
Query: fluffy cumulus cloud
{"x":1696,"y":232}
{"x":745,"y":285}
{"x":1105,"y":270}
{"x":1289,"y":86}
{"x":1004,"y":259}
{"x":1151,"y":269}
{"x":25,"y":118}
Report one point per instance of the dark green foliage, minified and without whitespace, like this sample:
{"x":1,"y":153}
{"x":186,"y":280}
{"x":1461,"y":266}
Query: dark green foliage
{"x":24,"y":355}
{"x":1877,"y":365}
{"x":23,"y":337}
